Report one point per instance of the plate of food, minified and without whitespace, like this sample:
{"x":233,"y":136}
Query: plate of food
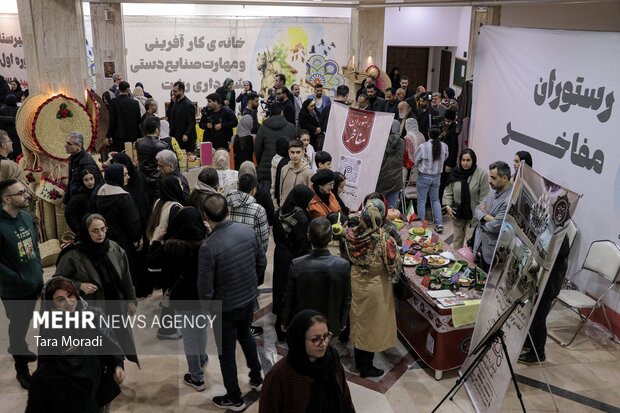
{"x":411,"y":260}
{"x":436,"y":261}
{"x":420,"y":232}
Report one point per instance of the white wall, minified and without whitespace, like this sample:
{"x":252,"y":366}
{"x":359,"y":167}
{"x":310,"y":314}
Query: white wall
{"x":433,"y":27}
{"x":193,"y":10}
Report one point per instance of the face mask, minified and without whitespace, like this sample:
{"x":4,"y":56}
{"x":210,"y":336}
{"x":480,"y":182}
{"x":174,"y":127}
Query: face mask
{"x":402,"y":115}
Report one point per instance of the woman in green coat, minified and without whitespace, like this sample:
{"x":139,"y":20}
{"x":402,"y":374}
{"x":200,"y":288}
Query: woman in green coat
{"x":99,"y":269}
{"x":466,"y":186}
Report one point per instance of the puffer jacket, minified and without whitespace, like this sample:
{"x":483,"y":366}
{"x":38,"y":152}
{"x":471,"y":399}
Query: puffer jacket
{"x":231,"y":261}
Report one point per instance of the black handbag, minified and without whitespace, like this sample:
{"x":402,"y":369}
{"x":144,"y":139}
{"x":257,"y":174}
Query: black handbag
{"x":402,"y":290}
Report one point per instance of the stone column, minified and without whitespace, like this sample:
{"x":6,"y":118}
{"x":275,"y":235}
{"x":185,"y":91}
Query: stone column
{"x":54,"y":46}
{"x":366,"y":39}
{"x":108,"y":41}
{"x":479,"y":17}
{"x":370,"y":24}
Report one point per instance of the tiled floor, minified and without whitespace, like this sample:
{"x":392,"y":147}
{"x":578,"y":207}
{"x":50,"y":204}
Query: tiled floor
{"x":584,"y":377}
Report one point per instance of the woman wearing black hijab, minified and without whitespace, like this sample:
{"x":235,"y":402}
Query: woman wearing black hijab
{"x":175,"y":252}
{"x":340,"y":182}
{"x":290,"y":235}
{"x":137,"y":259}
{"x":310,"y":378}
{"x":309,"y":120}
{"x":171,"y":200}
{"x":90,"y":181}
{"x":118,"y":208}
{"x":100,"y":270}
{"x":466,"y":186}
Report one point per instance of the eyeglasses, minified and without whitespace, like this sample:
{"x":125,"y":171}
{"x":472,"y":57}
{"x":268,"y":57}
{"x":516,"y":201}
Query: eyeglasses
{"x":23,"y":192}
{"x":318,"y":340}
{"x":98,"y":231}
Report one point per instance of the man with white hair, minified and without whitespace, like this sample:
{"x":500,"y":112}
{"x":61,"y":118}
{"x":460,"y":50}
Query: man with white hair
{"x":79,"y":160}
{"x":168,"y":164}
{"x":117,"y":78}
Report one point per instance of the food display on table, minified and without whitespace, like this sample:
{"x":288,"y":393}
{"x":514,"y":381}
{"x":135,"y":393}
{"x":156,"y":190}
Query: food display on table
{"x":436,"y":261}
{"x":411,"y":260}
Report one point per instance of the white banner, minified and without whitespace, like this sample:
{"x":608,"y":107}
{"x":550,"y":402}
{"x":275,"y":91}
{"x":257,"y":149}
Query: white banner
{"x":552,"y":93}
{"x":12,"y":62}
{"x":356,"y":140}
{"x":203,"y":52}
{"x":529,"y":240}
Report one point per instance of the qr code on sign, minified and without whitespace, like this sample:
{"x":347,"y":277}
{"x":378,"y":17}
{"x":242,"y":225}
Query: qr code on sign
{"x":350,"y":168}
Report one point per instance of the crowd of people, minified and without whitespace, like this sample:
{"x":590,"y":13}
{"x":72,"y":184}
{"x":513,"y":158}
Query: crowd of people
{"x":140,"y":227}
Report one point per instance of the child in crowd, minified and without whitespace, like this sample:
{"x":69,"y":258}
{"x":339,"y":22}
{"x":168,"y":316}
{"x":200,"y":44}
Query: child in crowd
{"x":323,"y":160}
{"x":304,"y":136}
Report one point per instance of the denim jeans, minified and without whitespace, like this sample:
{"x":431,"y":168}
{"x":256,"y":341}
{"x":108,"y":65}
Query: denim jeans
{"x":235,"y":325}
{"x":392,"y":198}
{"x":195,"y":348}
{"x":429,"y":185}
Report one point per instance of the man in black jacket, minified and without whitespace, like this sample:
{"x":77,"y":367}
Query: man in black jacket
{"x":79,"y":160}
{"x":319,"y":281}
{"x":231,"y":260}
{"x":125,"y":118}
{"x":272,"y":129}
{"x":147,"y":149}
{"x":288,"y":109}
{"x":182,"y":117}
{"x":218,"y":122}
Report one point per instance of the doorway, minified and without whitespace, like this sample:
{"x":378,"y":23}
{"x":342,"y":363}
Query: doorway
{"x":444,"y":69}
{"x":411,"y":61}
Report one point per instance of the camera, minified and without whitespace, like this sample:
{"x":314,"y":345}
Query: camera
{"x":265,"y":105}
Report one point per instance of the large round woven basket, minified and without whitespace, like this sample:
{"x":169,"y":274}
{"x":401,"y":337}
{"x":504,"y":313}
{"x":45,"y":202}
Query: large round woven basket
{"x":53,"y":121}
{"x":25,"y":119}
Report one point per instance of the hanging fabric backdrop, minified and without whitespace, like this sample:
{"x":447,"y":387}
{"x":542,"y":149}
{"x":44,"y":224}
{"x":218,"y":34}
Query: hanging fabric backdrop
{"x":203,"y":52}
{"x":553,"y":93}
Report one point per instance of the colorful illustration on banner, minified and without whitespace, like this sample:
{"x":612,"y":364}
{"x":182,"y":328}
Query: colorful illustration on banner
{"x":304,"y":56}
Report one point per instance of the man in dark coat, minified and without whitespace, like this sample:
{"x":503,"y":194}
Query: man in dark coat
{"x":231,"y":260}
{"x":125,"y":118}
{"x":288,"y":108}
{"x":79,"y":159}
{"x":272,"y":129}
{"x":182,"y":118}
{"x":218,"y":122}
{"x":147,"y":149}
{"x":451,"y":138}
{"x":319,"y":281}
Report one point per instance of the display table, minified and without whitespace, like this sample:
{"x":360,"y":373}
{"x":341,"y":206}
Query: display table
{"x":429,"y":329}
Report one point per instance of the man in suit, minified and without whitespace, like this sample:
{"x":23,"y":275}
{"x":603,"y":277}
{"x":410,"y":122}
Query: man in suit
{"x":125,"y":118}
{"x":296,"y":100}
{"x":182,"y":118}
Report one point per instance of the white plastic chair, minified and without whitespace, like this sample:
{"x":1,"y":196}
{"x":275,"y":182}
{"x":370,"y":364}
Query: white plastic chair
{"x":603,"y":259}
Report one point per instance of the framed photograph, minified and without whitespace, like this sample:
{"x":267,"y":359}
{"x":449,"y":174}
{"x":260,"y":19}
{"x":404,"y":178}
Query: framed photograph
{"x":460,"y":68}
{"x":109,"y":68}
